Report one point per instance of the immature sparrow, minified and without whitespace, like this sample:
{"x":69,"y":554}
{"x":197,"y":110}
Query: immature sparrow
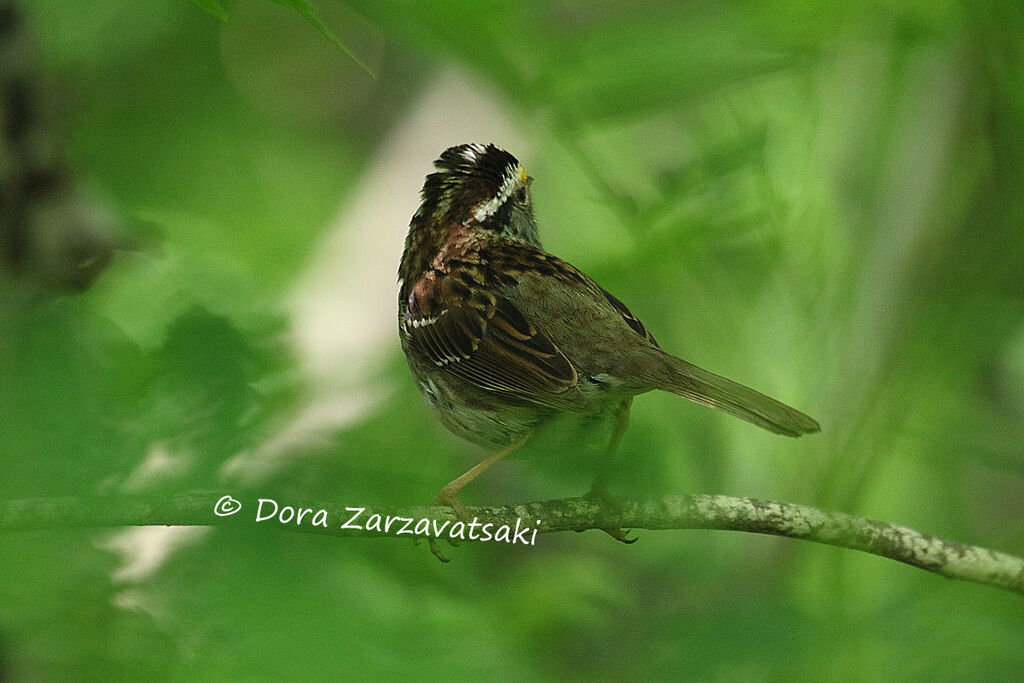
{"x":501,"y":336}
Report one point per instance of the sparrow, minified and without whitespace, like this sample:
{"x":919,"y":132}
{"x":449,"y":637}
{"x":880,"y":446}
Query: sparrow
{"x":502,"y":337}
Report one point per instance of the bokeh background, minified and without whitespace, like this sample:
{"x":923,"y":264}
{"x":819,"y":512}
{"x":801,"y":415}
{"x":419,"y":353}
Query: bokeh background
{"x":822,"y":200}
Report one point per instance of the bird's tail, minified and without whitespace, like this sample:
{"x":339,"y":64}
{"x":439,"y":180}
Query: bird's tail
{"x":699,"y":385}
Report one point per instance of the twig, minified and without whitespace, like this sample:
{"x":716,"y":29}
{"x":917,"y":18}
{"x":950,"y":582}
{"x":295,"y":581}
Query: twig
{"x":947,"y":558}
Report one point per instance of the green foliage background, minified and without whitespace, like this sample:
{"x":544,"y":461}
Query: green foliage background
{"x":822,"y":200}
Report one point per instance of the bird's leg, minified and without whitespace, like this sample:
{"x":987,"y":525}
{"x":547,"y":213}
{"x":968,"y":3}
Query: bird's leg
{"x":449,"y":494}
{"x":599,"y":488}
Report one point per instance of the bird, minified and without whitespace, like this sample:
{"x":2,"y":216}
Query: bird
{"x":502,"y":337}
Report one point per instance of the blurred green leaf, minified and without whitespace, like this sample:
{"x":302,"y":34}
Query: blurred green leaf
{"x":308,"y":12}
{"x":213,"y":7}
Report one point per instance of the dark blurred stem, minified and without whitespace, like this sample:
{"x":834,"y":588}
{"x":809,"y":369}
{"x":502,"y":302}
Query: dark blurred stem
{"x":947,"y":558}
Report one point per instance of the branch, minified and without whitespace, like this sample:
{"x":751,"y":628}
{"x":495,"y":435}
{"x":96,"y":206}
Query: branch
{"x":947,"y":558}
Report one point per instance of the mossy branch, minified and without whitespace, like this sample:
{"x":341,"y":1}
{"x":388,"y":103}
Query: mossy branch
{"x":947,"y":558}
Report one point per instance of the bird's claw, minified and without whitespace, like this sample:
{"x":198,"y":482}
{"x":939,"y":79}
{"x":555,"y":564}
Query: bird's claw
{"x":599,"y":495}
{"x":436,"y":549}
{"x":449,"y":498}
{"x":621,"y":535}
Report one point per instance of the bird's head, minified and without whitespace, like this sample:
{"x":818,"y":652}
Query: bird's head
{"x":475,"y":187}
{"x":479,"y":186}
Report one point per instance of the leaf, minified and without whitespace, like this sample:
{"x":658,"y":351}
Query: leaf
{"x":309,"y":13}
{"x":212,"y":7}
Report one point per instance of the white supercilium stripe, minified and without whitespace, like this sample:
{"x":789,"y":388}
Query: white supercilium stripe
{"x":508,"y":185}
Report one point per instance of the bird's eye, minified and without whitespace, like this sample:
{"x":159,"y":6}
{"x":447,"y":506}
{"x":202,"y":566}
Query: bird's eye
{"x":520,"y":196}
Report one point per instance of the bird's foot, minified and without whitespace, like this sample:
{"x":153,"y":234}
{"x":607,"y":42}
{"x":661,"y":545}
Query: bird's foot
{"x":436,"y":549}
{"x":601,"y":496}
{"x":448,"y":496}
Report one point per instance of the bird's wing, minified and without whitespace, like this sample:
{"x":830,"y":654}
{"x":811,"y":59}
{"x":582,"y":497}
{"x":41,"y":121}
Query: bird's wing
{"x":628,"y":316}
{"x":475,"y":334}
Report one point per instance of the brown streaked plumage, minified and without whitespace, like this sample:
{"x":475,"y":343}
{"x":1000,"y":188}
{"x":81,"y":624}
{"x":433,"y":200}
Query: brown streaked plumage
{"x":501,"y":336}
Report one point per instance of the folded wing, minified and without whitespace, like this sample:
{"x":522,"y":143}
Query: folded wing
{"x":481,"y":337}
